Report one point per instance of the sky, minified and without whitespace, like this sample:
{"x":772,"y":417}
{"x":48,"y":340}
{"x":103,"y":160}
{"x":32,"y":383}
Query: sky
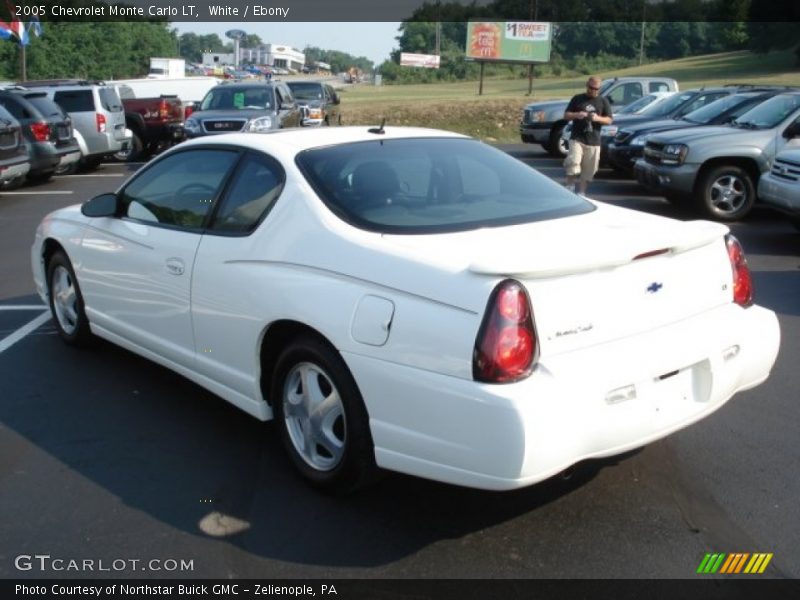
{"x":373,"y":40}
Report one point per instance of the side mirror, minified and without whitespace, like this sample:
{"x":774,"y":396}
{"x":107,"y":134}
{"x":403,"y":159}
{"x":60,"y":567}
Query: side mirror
{"x":792,"y":131}
{"x":104,"y":205}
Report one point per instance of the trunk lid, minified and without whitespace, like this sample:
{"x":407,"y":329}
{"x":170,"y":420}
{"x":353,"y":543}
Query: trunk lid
{"x":601,"y":276}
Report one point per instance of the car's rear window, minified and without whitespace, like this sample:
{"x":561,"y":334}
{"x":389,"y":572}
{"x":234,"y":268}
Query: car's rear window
{"x":109,"y":99}
{"x":75,"y":100}
{"x":44,"y":105}
{"x":433,"y":185}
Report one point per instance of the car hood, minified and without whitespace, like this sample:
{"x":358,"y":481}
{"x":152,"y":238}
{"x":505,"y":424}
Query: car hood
{"x":247,"y":114}
{"x":705,"y":131}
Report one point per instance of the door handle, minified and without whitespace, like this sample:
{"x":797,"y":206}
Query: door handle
{"x":175,"y":266}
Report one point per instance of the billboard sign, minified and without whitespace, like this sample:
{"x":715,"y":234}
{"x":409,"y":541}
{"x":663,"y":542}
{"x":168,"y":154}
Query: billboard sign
{"x":426,"y":61}
{"x":509,"y":41}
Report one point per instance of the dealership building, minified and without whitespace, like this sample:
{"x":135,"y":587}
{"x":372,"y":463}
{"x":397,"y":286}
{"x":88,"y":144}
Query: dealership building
{"x":274,"y":55}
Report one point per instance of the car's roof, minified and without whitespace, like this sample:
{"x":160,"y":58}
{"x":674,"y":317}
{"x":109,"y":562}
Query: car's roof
{"x":307,"y":137}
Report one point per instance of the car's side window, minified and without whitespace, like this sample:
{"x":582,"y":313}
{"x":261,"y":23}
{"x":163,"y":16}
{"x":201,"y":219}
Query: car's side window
{"x":179,"y":191}
{"x":256,"y":185}
{"x":16,"y":109}
{"x":75,"y":100}
{"x":625,"y":94}
{"x":658,"y":86}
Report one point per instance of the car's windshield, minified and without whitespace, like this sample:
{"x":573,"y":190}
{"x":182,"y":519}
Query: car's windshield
{"x":637,"y":105}
{"x":306,"y":91}
{"x":238,"y":98}
{"x":426,"y":185}
{"x":668,"y":106}
{"x":712,"y":110}
{"x":770,"y":113}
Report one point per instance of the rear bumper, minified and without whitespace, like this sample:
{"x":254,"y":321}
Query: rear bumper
{"x":502,"y":437}
{"x":783,"y":195}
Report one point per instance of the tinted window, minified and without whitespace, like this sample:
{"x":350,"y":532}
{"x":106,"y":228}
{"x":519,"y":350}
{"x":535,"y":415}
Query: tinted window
{"x":433,"y":185}
{"x":125,"y":92}
{"x":75,"y":100}
{"x":109,"y":99}
{"x":16,"y":108}
{"x":47,"y":107}
{"x":256,"y":185}
{"x":179,"y":190}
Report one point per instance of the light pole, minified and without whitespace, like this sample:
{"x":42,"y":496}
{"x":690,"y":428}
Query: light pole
{"x":641,"y":40}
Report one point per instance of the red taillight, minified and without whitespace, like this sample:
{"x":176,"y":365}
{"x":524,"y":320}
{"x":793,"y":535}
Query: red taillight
{"x":40,"y":131}
{"x":742,"y":279}
{"x":101,"y":122}
{"x":188,"y":110}
{"x":506,"y":343}
{"x":163,"y":110}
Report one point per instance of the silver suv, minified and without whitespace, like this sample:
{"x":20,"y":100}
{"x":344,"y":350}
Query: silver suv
{"x":715,"y":169}
{"x":97,"y":114}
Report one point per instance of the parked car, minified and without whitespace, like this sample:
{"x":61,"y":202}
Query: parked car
{"x":320,"y":100}
{"x":639,"y":105}
{"x":96,"y":111}
{"x":14,"y":163}
{"x":628,"y":144}
{"x":257,"y":106}
{"x":715,"y":169}
{"x":780,"y":186}
{"x":46,"y":129}
{"x":409,"y":299}
{"x":543,"y":122}
{"x":155,"y":123}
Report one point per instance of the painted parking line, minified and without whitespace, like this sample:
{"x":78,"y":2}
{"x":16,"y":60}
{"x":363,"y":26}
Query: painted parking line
{"x":38,"y":193}
{"x":93,"y":175}
{"x":26,"y":329}
{"x":23,"y":307}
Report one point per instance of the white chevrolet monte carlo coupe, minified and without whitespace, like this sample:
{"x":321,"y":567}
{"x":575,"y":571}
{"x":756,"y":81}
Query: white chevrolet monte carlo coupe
{"x":410,"y":299}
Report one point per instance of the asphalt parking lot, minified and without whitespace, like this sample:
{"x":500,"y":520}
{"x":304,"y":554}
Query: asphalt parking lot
{"x":108,"y":457}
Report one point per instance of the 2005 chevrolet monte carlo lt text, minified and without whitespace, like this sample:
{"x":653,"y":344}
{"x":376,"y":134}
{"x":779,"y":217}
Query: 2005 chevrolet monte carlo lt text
{"x":410,"y":299}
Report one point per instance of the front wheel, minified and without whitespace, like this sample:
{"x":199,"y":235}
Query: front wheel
{"x":321,"y":417}
{"x":558,"y":146}
{"x":133,"y":152}
{"x":66,"y":301}
{"x":725,"y":193}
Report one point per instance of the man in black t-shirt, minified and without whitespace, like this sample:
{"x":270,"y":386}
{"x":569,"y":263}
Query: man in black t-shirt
{"x":588,"y":113}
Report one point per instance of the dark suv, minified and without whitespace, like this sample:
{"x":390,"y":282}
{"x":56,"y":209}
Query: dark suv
{"x":14,"y":162}
{"x":320,"y":101}
{"x":47,"y":131}
{"x":245,"y":106}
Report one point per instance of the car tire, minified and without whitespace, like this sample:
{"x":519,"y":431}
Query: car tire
{"x":90,"y":163}
{"x":69,"y":169}
{"x":12,"y":184}
{"x":134,"y":150}
{"x":66,"y":301}
{"x":556,"y":146}
{"x":39,"y":177}
{"x":725,"y":193}
{"x":335,"y":453}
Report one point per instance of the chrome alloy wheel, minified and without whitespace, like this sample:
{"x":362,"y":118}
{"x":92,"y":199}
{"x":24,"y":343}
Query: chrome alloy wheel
{"x":65,"y":299}
{"x":314,"y":415}
{"x":728,"y":193}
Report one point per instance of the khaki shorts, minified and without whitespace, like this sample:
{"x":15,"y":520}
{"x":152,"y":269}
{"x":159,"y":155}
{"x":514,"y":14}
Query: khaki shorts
{"x":582,"y":160}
